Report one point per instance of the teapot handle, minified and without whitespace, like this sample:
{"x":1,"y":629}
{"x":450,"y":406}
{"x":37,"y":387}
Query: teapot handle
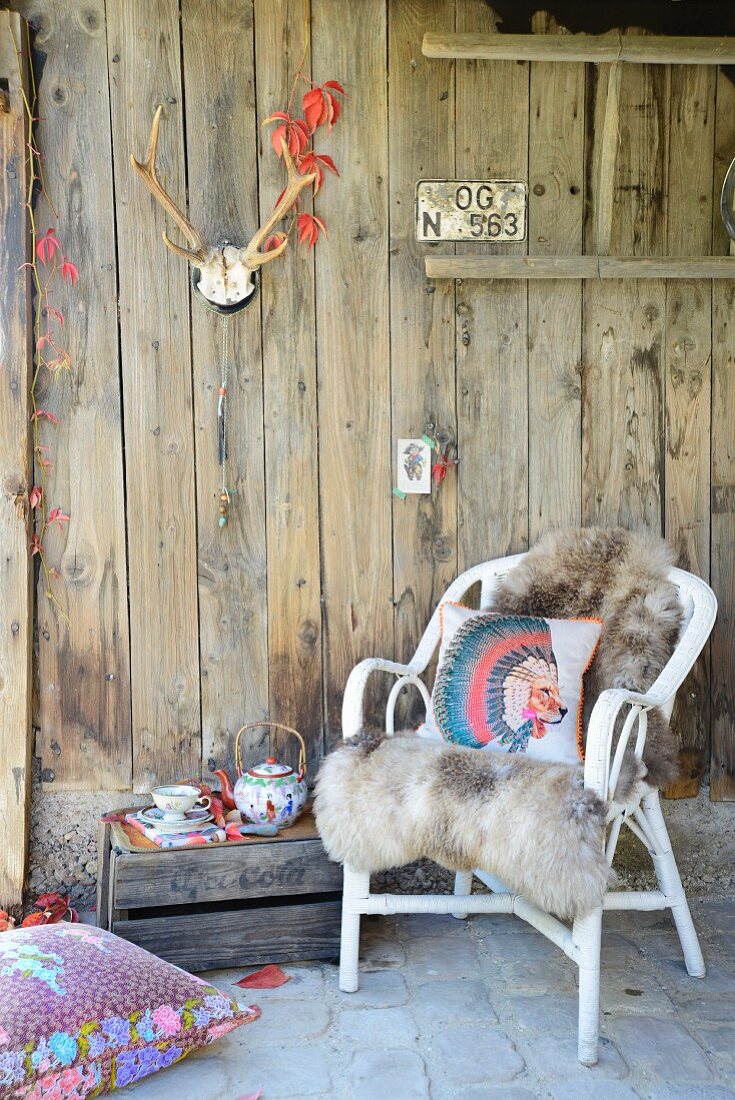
{"x":272,"y":725}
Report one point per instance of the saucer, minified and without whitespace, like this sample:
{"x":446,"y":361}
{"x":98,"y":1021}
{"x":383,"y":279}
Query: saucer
{"x":192,"y":819}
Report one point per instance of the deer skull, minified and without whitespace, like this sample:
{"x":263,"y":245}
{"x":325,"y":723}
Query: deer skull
{"x":226,"y":274}
{"x":224,"y":279}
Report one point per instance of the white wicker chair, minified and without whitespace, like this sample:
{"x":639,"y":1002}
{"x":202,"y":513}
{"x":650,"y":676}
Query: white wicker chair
{"x":581,"y":942}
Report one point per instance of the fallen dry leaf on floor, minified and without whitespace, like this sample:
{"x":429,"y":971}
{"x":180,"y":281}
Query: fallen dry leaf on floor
{"x":268,"y":977}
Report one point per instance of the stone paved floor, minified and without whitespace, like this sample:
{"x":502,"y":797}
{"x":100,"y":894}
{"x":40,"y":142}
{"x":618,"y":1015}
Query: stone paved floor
{"x":452,"y":1010}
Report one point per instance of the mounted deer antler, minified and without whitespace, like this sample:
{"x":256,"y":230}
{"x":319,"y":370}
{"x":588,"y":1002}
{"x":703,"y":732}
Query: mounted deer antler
{"x":200,"y":252}
{"x":250,"y":256}
{"x":226,"y":273}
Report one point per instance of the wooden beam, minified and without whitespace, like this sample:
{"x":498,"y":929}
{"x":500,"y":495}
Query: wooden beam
{"x":491,"y":321}
{"x":604,"y":167}
{"x":83,"y":663}
{"x":556,"y":178}
{"x":16,"y":471}
{"x":623,"y":324}
{"x":580,"y":267}
{"x":224,"y":206}
{"x":353,"y":311}
{"x":294,"y":681}
{"x":722,"y":563}
{"x":687,"y":385}
{"x":421,"y":117}
{"x":145,"y":70}
{"x":635,"y":48}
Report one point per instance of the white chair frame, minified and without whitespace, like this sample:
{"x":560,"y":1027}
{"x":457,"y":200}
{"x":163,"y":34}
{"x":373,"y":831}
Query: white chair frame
{"x":581,"y":941}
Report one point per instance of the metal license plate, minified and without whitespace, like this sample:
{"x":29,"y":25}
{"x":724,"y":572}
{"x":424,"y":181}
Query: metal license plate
{"x":471,"y":210}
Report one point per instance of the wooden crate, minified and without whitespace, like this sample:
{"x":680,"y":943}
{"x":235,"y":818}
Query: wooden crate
{"x":258,"y":901}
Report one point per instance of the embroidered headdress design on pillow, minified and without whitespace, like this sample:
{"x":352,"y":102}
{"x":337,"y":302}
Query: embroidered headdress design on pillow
{"x":512,"y":683}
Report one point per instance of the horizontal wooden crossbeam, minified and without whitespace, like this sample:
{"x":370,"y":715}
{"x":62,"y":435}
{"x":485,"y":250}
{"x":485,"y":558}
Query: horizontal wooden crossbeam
{"x":635,"y":48}
{"x":580,"y":267}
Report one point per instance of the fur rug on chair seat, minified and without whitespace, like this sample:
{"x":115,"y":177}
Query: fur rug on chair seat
{"x":385,"y":802}
{"x":621,"y":577}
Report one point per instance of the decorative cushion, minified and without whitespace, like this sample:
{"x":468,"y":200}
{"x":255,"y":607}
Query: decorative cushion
{"x":512,"y":683}
{"x":83,"y":1011}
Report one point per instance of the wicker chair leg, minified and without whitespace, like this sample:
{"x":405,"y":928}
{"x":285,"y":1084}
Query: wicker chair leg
{"x":356,"y":888}
{"x":669,"y":882}
{"x":462,"y":887}
{"x":587,"y":933}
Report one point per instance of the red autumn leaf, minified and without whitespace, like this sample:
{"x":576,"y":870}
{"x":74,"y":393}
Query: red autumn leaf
{"x":35,"y":496}
{"x":274,"y":240}
{"x":31,"y":919}
{"x":56,"y":313}
{"x":308,"y":227}
{"x":35,"y":546}
{"x":57,"y":516}
{"x":45,"y":339}
{"x":293,"y":131}
{"x":439,"y":471}
{"x":320,"y":105}
{"x":312,"y":162}
{"x":69,"y":271}
{"x":47,"y":245}
{"x":268,"y":977}
{"x":7,"y":924}
{"x":4,"y":915}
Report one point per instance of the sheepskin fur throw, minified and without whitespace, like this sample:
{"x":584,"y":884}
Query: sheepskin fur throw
{"x":382,"y":803}
{"x":620,"y":577}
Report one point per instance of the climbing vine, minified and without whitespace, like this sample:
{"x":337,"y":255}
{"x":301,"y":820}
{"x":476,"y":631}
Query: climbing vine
{"x":319,"y":107}
{"x":51,"y":273}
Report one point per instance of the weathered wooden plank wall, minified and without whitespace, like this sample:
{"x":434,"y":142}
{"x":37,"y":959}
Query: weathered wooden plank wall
{"x":601,"y":403}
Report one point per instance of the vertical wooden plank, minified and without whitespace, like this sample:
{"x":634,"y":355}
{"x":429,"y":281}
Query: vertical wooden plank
{"x":722,"y":768}
{"x":353,"y":350}
{"x":16,"y":469}
{"x":290,"y":396}
{"x":688,"y":358}
{"x":221,"y":149}
{"x":84,"y":665}
{"x":144,"y":65}
{"x":492,"y":332}
{"x":622,"y":386}
{"x":421,"y":143}
{"x":556,"y":207}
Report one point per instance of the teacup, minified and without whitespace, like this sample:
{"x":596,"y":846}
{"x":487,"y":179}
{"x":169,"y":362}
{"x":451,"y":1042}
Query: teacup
{"x":176,"y":800}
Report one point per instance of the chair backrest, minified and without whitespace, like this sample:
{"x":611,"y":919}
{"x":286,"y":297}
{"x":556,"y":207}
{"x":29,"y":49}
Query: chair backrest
{"x":698,"y":601}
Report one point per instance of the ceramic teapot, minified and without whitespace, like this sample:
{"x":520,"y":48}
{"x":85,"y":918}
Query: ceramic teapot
{"x":270,"y":792}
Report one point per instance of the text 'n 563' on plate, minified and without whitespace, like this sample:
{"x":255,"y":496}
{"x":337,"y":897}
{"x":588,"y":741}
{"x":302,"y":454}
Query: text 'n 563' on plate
{"x":471,"y":210}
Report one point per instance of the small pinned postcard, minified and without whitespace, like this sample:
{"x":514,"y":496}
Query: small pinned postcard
{"x":414,"y":466}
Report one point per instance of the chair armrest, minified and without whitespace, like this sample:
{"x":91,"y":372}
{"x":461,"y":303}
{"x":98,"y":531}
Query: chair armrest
{"x":600,"y":734}
{"x":352,"y":716}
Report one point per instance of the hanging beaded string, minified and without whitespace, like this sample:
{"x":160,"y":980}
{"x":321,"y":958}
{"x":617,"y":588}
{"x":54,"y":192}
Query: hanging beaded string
{"x":224,"y":496}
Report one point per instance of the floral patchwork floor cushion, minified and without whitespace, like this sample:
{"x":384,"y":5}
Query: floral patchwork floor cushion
{"x":83,"y":1011}
{"x":512,"y":683}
